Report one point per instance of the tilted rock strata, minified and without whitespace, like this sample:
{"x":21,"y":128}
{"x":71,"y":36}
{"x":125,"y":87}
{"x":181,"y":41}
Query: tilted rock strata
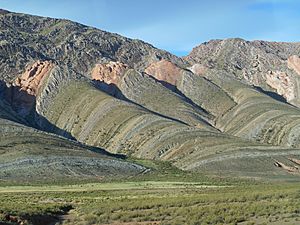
{"x":151,"y":94}
{"x":198,"y":89}
{"x":257,"y":116}
{"x":140,"y":88}
{"x":187,"y":111}
{"x":98,"y":119}
{"x":29,"y":155}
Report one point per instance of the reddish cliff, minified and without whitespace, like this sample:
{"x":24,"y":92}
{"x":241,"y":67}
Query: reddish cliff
{"x":21,"y":94}
{"x":164,"y":71}
{"x":109,"y":73}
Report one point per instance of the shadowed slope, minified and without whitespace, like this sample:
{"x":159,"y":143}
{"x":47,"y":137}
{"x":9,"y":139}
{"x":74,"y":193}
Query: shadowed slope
{"x":196,"y":88}
{"x":28,"y":154}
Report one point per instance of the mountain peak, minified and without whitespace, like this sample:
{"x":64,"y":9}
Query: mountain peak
{"x":3,"y":11}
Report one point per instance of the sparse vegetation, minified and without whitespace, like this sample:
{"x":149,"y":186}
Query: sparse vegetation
{"x":161,"y":202}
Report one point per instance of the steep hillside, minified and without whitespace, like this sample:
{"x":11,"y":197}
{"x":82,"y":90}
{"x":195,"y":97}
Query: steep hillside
{"x":78,"y":46}
{"x":197,"y":89}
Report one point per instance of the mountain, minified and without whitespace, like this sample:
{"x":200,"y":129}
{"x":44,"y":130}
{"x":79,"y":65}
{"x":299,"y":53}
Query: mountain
{"x":273,"y":66}
{"x":73,"y":98}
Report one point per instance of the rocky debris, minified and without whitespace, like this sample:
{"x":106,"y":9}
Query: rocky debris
{"x":291,"y":169}
{"x":165,"y":70}
{"x":110,"y":73}
{"x":294,"y":63}
{"x":14,"y":220}
{"x":282,"y":83}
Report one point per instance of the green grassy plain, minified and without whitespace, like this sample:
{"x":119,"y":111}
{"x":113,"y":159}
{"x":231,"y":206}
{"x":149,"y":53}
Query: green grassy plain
{"x":168,"y":197}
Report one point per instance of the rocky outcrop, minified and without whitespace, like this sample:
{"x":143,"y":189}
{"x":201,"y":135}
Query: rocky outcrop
{"x":294,"y":63}
{"x":291,"y":169}
{"x":22,"y":93}
{"x":296,"y":161}
{"x":205,"y":94}
{"x":165,"y":71}
{"x":151,"y":94}
{"x":282,"y":83}
{"x":32,"y":79}
{"x":109,"y":73}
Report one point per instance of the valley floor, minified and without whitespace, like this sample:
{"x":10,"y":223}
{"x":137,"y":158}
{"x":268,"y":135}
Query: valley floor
{"x":152,"y":202}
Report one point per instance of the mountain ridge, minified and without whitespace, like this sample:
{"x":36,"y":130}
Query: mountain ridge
{"x":203,"y":112}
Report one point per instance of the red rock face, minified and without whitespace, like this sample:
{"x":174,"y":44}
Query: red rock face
{"x":164,"y":71}
{"x":33,"y":77}
{"x":21,"y":94}
{"x":294,"y":63}
{"x":109,"y":73}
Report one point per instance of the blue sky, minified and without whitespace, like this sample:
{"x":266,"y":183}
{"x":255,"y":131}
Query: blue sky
{"x":176,"y":25}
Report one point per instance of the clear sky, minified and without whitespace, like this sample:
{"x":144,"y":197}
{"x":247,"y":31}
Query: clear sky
{"x":176,"y":25}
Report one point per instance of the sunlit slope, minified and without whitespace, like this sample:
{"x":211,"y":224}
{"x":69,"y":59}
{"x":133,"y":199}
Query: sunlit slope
{"x":205,"y":93}
{"x":256,"y":115}
{"x":151,"y":94}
